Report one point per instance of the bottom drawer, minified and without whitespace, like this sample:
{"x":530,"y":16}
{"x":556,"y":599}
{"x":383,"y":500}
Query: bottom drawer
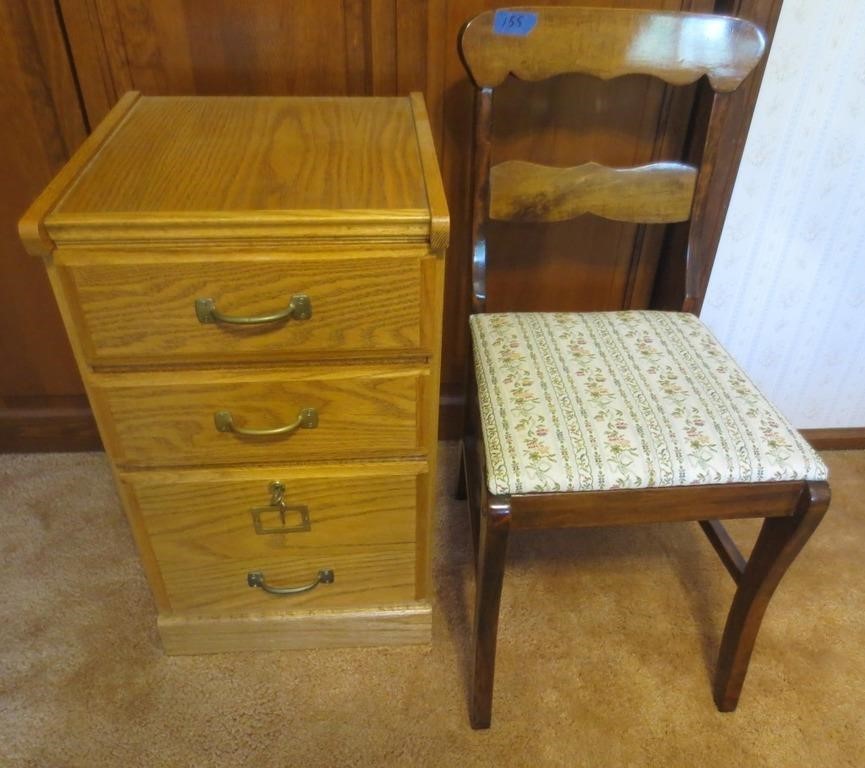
{"x":209,"y":531}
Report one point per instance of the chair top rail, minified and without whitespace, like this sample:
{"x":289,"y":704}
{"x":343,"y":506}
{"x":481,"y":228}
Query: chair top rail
{"x":535,"y":43}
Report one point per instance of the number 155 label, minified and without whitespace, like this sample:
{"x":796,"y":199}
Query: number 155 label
{"x":516,"y":23}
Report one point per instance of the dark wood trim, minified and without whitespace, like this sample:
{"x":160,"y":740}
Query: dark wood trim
{"x":836,"y":438}
{"x":40,"y":424}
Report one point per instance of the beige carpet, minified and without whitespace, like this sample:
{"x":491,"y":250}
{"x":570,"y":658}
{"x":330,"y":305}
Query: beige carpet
{"x":606,"y":650}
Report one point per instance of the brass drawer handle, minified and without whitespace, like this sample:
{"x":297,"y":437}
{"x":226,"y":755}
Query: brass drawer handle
{"x":306,"y":419}
{"x":256,"y":579}
{"x":299,"y":308}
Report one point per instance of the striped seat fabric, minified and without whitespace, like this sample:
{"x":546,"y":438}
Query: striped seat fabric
{"x":634,"y":399}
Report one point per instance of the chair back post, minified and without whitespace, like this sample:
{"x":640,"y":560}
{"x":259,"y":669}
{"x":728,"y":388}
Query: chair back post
{"x":696,"y":264}
{"x":480,"y":195}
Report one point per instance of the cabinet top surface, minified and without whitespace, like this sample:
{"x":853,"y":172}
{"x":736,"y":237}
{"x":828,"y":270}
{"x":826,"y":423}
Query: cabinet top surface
{"x":249,"y":154}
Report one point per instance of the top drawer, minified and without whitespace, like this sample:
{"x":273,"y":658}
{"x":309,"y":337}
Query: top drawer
{"x":131,"y":311}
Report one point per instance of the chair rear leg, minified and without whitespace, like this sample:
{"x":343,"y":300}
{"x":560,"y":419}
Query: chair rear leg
{"x":779,"y":541}
{"x":494,"y":521}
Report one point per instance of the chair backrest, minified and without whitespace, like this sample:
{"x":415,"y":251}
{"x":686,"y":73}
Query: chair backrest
{"x":535,"y":43}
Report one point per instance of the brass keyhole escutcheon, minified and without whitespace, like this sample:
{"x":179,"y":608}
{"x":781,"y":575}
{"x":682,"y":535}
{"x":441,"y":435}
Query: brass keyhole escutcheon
{"x":277,"y":502}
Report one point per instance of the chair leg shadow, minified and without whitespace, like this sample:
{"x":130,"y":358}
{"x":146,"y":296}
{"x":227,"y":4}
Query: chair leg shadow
{"x":454,"y":572}
{"x":700,"y":575}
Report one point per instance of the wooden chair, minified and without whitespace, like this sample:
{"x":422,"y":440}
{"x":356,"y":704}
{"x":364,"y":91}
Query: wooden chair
{"x":617,"y":418}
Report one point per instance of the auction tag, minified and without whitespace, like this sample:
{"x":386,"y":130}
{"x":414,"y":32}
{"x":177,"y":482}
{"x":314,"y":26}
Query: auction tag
{"x":515,"y":23}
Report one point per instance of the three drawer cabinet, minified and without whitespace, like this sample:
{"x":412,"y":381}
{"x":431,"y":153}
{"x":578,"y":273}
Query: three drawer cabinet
{"x":252,"y":287}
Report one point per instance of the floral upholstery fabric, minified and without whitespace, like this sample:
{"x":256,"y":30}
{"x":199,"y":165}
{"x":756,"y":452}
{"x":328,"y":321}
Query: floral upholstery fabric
{"x":635,"y":399}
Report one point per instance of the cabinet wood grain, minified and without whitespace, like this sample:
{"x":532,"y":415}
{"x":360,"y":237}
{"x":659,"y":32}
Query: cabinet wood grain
{"x":148,"y":171}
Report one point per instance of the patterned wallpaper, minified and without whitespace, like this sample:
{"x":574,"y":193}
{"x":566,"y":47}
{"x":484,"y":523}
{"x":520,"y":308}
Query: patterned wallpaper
{"x":787,"y":292}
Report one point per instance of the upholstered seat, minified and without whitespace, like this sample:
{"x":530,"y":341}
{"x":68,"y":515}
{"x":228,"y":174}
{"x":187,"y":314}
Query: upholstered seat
{"x":636,"y":399}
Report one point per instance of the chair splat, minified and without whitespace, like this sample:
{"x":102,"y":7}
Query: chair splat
{"x":658,"y":193}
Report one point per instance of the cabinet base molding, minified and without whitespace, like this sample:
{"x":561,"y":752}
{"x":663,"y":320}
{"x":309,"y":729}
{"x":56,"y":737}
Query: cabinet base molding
{"x":400,"y":625}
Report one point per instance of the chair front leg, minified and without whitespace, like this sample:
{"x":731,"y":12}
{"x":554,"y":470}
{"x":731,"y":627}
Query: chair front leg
{"x":495,"y":518}
{"x":779,"y":541}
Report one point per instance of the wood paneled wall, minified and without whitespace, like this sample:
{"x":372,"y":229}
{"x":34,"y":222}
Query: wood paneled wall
{"x":42,"y":124}
{"x":389,"y":47}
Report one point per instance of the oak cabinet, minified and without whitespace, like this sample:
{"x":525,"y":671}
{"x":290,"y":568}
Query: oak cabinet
{"x":253,"y":292}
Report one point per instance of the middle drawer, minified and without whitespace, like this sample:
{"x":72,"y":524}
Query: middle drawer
{"x":185,"y":418}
